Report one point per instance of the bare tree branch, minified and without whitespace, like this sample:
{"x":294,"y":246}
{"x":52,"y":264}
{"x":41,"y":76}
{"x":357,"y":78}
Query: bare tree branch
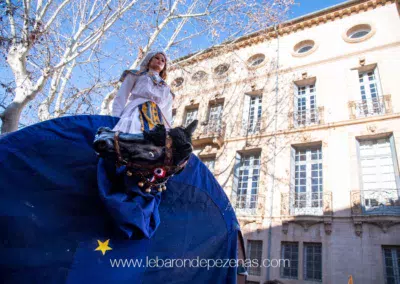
{"x":11,"y":19}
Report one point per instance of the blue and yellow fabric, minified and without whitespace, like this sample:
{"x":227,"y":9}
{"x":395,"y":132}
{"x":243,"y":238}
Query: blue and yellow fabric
{"x":150,"y":115}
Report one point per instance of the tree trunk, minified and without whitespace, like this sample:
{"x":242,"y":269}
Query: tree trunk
{"x":106,"y":104}
{"x":16,"y":58}
{"x":11,"y":116}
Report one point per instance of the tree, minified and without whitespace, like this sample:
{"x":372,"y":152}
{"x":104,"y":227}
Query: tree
{"x":46,"y":40}
{"x":219,"y":23}
{"x":45,"y":43}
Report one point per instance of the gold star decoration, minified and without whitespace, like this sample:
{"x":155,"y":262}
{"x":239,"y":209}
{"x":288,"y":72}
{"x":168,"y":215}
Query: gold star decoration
{"x":103,"y":246}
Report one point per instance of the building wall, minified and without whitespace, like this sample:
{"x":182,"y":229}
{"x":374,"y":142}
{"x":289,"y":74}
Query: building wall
{"x":351,"y":242}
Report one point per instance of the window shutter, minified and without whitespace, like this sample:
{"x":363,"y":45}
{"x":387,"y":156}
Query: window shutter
{"x":292,"y":178}
{"x":295,"y":105}
{"x":395,"y":163}
{"x":235,"y":177}
{"x":378,"y":82}
{"x":219,"y":118}
{"x":353,"y":83}
{"x":245,"y":117}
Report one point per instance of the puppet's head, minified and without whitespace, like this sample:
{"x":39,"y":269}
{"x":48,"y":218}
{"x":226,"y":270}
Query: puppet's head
{"x":153,"y":157}
{"x":144,"y":65}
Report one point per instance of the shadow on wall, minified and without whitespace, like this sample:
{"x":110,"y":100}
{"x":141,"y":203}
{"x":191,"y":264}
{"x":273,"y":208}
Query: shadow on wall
{"x":325,"y":248}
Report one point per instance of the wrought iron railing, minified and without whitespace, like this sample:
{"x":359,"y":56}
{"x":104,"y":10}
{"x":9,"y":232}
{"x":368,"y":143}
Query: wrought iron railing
{"x":245,"y":203}
{"x":381,"y":201}
{"x":213,"y":127}
{"x":306,"y":117}
{"x":369,"y":107}
{"x":253,"y":127}
{"x":306,"y":203}
{"x":209,"y":132}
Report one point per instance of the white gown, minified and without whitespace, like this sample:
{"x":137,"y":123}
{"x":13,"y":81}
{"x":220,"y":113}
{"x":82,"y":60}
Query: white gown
{"x":136,"y":90}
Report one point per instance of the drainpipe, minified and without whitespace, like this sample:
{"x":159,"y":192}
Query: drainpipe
{"x":271,"y":201}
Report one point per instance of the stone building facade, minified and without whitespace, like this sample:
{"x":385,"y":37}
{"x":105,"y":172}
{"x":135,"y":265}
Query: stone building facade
{"x":300,"y":124}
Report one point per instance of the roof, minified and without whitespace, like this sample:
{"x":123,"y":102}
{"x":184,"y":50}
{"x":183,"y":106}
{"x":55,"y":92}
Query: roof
{"x":292,"y":25}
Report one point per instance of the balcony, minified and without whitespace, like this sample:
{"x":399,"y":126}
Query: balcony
{"x":306,"y":117}
{"x":370,"y":107}
{"x":376,"y":202}
{"x":306,"y":204}
{"x":248,"y":204}
{"x":209,"y":133}
{"x":306,"y":209}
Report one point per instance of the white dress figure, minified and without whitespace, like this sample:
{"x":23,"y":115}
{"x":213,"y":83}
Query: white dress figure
{"x":144,"y":98}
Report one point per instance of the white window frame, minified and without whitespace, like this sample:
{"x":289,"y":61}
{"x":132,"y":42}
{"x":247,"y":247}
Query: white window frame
{"x":371,"y":102}
{"x":378,"y":199}
{"x":313,"y":172}
{"x":252,"y":114}
{"x":305,"y":102}
{"x":215,"y":118}
{"x":246,"y":203}
{"x":191,"y":114}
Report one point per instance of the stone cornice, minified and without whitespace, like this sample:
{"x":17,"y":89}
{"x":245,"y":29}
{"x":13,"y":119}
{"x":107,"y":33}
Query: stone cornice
{"x":344,"y":123}
{"x":327,"y":15}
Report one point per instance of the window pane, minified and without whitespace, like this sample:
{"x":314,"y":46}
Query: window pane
{"x":290,"y":255}
{"x":377,"y":175}
{"x":248,"y":171}
{"x":255,"y":112}
{"x":308,"y":181}
{"x":313,"y":261}
{"x":254,"y":249}
{"x":214,"y":118}
{"x":370,"y":103}
{"x":391,"y":263}
{"x":191,"y":114}
{"x":306,"y":112}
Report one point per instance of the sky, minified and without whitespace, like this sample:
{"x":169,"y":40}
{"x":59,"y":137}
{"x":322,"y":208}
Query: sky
{"x":304,"y":7}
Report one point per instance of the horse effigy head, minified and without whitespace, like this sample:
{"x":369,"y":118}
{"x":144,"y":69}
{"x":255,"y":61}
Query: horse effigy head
{"x":153,"y":155}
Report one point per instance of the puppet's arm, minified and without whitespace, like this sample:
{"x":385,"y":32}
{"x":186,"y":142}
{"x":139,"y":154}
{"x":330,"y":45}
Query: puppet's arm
{"x":167,"y":111}
{"x":122,"y":96}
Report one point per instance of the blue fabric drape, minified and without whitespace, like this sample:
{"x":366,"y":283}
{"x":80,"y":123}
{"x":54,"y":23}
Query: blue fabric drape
{"x":56,"y":203}
{"x":134,"y":211}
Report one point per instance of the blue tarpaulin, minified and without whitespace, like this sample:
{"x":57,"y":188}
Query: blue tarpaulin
{"x":53,"y":215}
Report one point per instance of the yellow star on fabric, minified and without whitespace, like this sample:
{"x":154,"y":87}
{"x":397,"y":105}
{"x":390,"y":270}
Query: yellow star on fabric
{"x":103,"y":246}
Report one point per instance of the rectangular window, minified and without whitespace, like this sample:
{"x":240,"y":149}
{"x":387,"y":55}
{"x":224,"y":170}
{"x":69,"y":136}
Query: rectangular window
{"x":308,"y":181}
{"x":191,"y":114}
{"x":210,"y":163}
{"x":214,"y":118}
{"x":290,"y":252}
{"x":247,"y":172}
{"x":379,"y":187}
{"x":371,"y":100}
{"x":255,"y":111}
{"x":306,"y":103}
{"x":313,"y":261}
{"x":392,"y":264}
{"x":254,"y":249}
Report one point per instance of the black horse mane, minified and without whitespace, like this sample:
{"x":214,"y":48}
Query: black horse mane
{"x":181,"y":140}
